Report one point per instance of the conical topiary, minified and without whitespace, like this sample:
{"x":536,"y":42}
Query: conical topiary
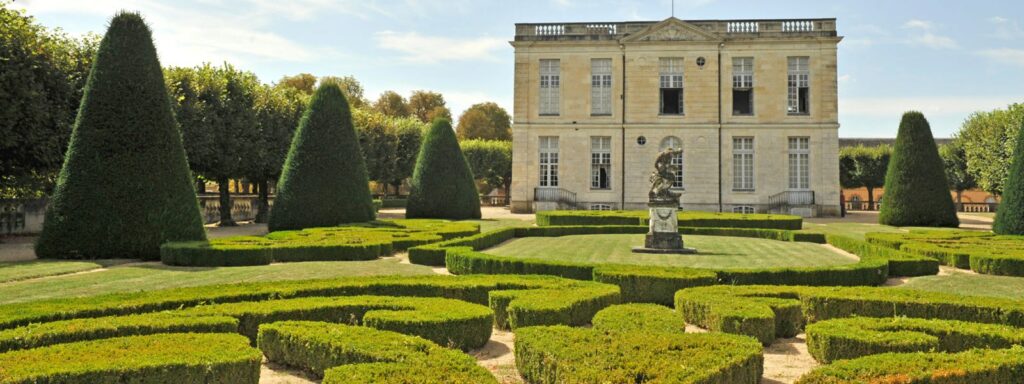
{"x":916,"y":191}
{"x":125,"y":187}
{"x":324,"y":181}
{"x":1010,"y":216}
{"x":442,"y":184}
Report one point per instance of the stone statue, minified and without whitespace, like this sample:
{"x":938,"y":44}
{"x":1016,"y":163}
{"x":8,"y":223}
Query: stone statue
{"x":662,"y":178}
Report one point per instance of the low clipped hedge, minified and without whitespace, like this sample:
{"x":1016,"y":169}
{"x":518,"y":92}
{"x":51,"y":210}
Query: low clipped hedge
{"x":851,"y":338}
{"x":559,"y":354}
{"x":352,"y":354}
{"x":982,"y":252}
{"x":58,"y":332}
{"x":639,"y":318}
{"x":346,"y":243}
{"x":653,"y":284}
{"x":433,"y":254}
{"x":448,"y":322}
{"x":686,"y":219}
{"x":515,"y":300}
{"x":163,"y":358}
{"x":768,"y":312}
{"x":969,"y":367}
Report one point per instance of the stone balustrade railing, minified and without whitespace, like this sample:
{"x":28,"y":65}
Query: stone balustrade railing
{"x":725,"y":28}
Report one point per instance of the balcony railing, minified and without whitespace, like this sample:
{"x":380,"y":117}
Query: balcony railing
{"x":725,"y":28}
{"x":781,"y":201}
{"x":556,"y":195}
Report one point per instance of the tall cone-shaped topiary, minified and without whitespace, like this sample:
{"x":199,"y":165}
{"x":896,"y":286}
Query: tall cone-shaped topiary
{"x":125,"y":187}
{"x":324,"y":181}
{"x":442,"y":184}
{"x":1010,"y":216}
{"x":916,"y":191}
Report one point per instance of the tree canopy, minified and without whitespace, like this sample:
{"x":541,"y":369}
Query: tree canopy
{"x":1010,"y":215}
{"x":988,"y":140}
{"x":955,"y":163}
{"x":866,"y":167}
{"x":486,"y":121}
{"x":427,"y":106}
{"x":490,"y":161}
{"x":42,"y":73}
{"x":390,"y":146}
{"x":125,"y":186}
{"x":390,"y":103}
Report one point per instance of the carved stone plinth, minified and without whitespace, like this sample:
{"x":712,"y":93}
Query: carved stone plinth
{"x":663,"y":233}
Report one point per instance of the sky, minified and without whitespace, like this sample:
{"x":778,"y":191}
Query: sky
{"x":946,"y":58}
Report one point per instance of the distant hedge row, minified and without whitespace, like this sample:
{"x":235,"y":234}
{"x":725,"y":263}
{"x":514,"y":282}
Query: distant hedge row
{"x":353,"y":242}
{"x":768,"y":312}
{"x":695,"y":219}
{"x":982,"y":252}
{"x":350,"y":354}
{"x":654,"y":284}
{"x":559,"y":354}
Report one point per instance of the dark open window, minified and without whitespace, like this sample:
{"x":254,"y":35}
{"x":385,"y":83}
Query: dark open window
{"x":671,"y":101}
{"x":743,"y":101}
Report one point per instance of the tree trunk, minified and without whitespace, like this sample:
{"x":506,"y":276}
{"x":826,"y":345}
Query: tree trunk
{"x":871,"y":198}
{"x":263,"y":189}
{"x":398,"y":188}
{"x":225,"y":203}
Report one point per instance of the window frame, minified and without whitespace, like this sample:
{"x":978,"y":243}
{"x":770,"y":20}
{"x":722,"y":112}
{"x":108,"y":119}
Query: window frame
{"x":678,"y":161}
{"x":798,"y":72}
{"x":671,"y":77}
{"x":799,"y":163}
{"x":743,"y":81}
{"x":600,"y":158}
{"x":743,"y":164}
{"x":601,"y":87}
{"x":550,"y":87}
{"x":547,"y":149}
{"x":744,"y":209}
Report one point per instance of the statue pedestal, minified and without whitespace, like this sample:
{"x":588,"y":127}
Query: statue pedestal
{"x":663,"y":234}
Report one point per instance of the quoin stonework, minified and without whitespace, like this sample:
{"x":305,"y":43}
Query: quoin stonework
{"x":751,"y":103}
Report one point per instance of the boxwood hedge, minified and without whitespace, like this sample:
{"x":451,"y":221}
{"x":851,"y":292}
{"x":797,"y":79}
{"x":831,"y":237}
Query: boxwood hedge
{"x":767,"y":312}
{"x":982,"y":252}
{"x":837,"y":339}
{"x":364,"y":241}
{"x":559,"y":354}
{"x":969,"y":367}
{"x":686,"y":219}
{"x":350,"y":354}
{"x":653,"y":284}
{"x":164,"y":358}
{"x":639,"y":318}
{"x":66,"y":331}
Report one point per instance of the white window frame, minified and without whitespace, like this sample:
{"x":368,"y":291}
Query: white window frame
{"x":677,"y":159}
{"x":799,"y":163}
{"x":600,"y":207}
{"x":600,"y":159}
{"x":601,"y":87}
{"x":743,"y":163}
{"x":548,"y":153}
{"x":744,"y":209}
{"x":798,"y":76}
{"x":550,"y":85}
{"x":670,"y":76}
{"x":743,"y":80}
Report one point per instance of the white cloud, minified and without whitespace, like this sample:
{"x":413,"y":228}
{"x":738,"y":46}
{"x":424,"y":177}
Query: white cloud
{"x":922,"y":34}
{"x":1006,"y":29}
{"x":433,"y":49}
{"x":930,"y":106}
{"x":1005,"y":55}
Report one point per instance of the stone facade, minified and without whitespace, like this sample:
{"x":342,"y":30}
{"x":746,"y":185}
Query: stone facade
{"x":707,"y":127}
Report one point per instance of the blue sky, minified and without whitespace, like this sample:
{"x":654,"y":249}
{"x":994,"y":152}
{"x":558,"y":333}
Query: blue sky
{"x":946,"y":58}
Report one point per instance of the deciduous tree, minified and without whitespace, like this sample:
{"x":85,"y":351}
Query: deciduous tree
{"x":491,"y":161}
{"x":988,"y":141}
{"x":955,"y":164}
{"x":486,"y":121}
{"x":390,"y":103}
{"x":427,"y":106}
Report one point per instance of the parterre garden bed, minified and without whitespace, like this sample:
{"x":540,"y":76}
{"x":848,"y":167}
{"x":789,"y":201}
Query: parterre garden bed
{"x":411,"y":329}
{"x":982,"y":252}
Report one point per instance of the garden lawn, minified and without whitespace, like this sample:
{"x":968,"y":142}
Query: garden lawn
{"x":965,"y":283}
{"x":153,"y":275}
{"x":22,"y":270}
{"x":852,"y":229}
{"x":487,"y":225}
{"x":714,"y":252}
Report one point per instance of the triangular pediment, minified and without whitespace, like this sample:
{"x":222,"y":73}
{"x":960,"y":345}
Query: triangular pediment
{"x":672,"y":29}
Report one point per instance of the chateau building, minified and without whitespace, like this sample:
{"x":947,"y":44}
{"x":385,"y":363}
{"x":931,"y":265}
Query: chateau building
{"x":752,"y":104}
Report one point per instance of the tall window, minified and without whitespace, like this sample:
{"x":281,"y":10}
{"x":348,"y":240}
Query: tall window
{"x":799,"y":163}
{"x":798,"y":102}
{"x":743,"y":86}
{"x":601,"y":87}
{"x":550,"y":81}
{"x":671,"y":80}
{"x":677,"y":159}
{"x":600,"y":162}
{"x":548,"y":161}
{"x":743,"y":163}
